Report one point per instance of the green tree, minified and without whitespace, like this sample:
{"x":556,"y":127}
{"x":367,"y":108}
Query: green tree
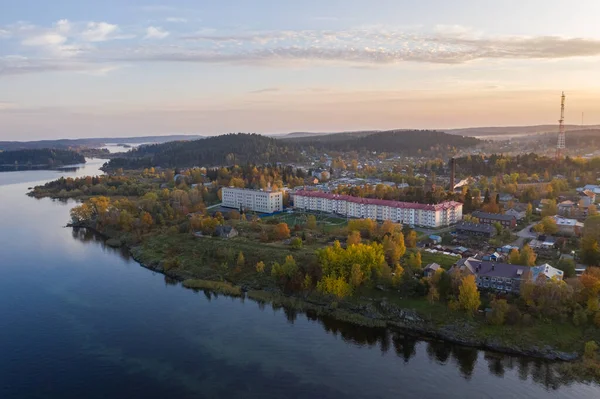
{"x":567,"y":266}
{"x":296,"y":243}
{"x":529,"y":212}
{"x":500,"y":308}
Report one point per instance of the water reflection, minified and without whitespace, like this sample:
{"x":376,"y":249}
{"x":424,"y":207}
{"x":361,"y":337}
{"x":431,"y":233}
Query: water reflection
{"x":89,"y":237}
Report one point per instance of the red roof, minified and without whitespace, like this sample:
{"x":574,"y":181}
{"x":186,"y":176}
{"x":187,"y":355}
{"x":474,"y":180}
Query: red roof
{"x":373,"y":201}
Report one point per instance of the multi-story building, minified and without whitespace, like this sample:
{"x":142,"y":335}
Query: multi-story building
{"x":505,"y":277}
{"x":252,"y":200}
{"x":437,"y":215}
{"x":508,"y":221}
{"x":466,"y":229}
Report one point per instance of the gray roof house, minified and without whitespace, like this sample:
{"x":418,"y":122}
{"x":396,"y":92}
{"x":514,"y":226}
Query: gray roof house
{"x":494,"y":276}
{"x":225,"y":231}
{"x":430,"y":269}
{"x":475,"y":230}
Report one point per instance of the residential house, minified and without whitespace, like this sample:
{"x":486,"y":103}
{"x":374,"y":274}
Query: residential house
{"x":501,"y":277}
{"x":226,"y":231}
{"x":507,"y":221}
{"x":568,"y":226}
{"x":567,"y":208}
{"x":431,"y":269}
{"x":466,"y":229}
{"x":546,"y":272}
{"x":519,"y":215}
{"x":321,"y":174}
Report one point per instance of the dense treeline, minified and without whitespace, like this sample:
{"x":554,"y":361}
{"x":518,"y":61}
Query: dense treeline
{"x":46,"y":157}
{"x":499,"y":164}
{"x":394,"y":141}
{"x":242,"y":148}
{"x":228,"y":149}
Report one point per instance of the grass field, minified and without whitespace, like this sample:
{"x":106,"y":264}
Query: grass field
{"x":323,"y":220}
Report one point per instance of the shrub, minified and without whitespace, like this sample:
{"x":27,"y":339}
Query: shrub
{"x":590,"y":349}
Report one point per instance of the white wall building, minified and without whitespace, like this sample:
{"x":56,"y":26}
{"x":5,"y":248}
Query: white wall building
{"x":438,"y":215}
{"x":252,"y":200}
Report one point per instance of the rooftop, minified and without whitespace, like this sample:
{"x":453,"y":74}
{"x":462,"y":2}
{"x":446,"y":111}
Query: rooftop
{"x":493,"y":269}
{"x":493,"y":216}
{"x":373,"y":201}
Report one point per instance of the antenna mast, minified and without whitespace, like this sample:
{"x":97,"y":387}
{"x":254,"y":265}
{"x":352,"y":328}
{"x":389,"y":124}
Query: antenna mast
{"x":560,"y":146}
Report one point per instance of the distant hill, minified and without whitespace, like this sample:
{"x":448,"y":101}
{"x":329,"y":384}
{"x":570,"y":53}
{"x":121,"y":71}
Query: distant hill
{"x":393,"y":141}
{"x":514,"y":130}
{"x":227,"y":149}
{"x":243,"y":148}
{"x":90,"y":142}
{"x":39,"y":158}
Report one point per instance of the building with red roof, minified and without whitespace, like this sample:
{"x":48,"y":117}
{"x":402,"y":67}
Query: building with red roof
{"x":427,"y":215}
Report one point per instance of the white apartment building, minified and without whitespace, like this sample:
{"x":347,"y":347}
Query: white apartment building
{"x":437,"y":215}
{"x":252,"y":200}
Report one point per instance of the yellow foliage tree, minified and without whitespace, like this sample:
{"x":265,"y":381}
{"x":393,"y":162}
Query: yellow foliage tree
{"x":468,"y":297}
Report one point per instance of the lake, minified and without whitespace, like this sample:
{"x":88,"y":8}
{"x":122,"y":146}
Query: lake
{"x":82,"y":320}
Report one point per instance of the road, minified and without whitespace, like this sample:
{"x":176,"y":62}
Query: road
{"x":523,"y":235}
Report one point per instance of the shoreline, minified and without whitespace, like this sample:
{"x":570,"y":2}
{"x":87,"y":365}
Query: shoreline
{"x":405,"y":321}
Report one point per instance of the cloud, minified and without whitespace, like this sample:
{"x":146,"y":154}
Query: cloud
{"x":266,"y":90}
{"x":63,"y":26}
{"x":70,"y":47}
{"x":176,"y":20}
{"x":4,"y":33}
{"x":99,"y":32}
{"x":153,"y":32}
{"x":45,"y":39}
{"x":5,"y":105}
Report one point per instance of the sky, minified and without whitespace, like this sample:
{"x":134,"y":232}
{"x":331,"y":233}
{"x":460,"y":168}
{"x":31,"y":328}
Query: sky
{"x":115,"y":68}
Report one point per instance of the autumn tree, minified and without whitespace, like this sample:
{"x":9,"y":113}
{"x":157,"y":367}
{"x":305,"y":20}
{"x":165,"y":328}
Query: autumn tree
{"x":550,"y":208}
{"x":411,"y":239}
{"x":311,"y":222}
{"x":241,"y":261}
{"x":353,"y":238}
{"x":468,"y":297}
{"x":260,"y":267}
{"x":281,"y":231}
{"x":527,"y":257}
{"x":296,"y":243}
{"x":529,"y":212}
{"x":547,"y":225}
{"x":514,"y":258}
{"x":394,"y":247}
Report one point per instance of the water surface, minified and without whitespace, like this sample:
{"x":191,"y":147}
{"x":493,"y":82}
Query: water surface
{"x":81,"y":320}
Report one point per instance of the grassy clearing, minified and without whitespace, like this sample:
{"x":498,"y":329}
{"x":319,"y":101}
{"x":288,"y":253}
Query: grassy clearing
{"x":216,"y":286}
{"x":443,"y":260}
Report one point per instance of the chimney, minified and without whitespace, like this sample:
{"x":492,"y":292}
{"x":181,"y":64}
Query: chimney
{"x":452,"y":173}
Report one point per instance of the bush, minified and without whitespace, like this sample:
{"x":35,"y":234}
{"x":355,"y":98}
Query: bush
{"x":296,"y":243}
{"x":590,"y":349}
{"x":580,"y":317}
{"x":216,"y":286}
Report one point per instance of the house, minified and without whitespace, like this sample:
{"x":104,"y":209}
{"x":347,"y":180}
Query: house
{"x":589,"y":195}
{"x":568,"y":226}
{"x":507,"y":221}
{"x":321,"y":174}
{"x":506,"y":197}
{"x":566,"y":208}
{"x":546,"y":272}
{"x":519,"y":215}
{"x":435,"y":239}
{"x":501,"y":277}
{"x":467,"y":229}
{"x":226,"y":232}
{"x":431,"y":269}
{"x":495,"y":257}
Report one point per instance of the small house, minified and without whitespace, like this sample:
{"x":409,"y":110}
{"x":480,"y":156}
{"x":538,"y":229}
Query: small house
{"x":226,"y":232}
{"x":431,"y":269}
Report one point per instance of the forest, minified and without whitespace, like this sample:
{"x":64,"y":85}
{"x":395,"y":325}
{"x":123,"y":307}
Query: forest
{"x":41,"y":157}
{"x":394,"y":141}
{"x":241,"y":148}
